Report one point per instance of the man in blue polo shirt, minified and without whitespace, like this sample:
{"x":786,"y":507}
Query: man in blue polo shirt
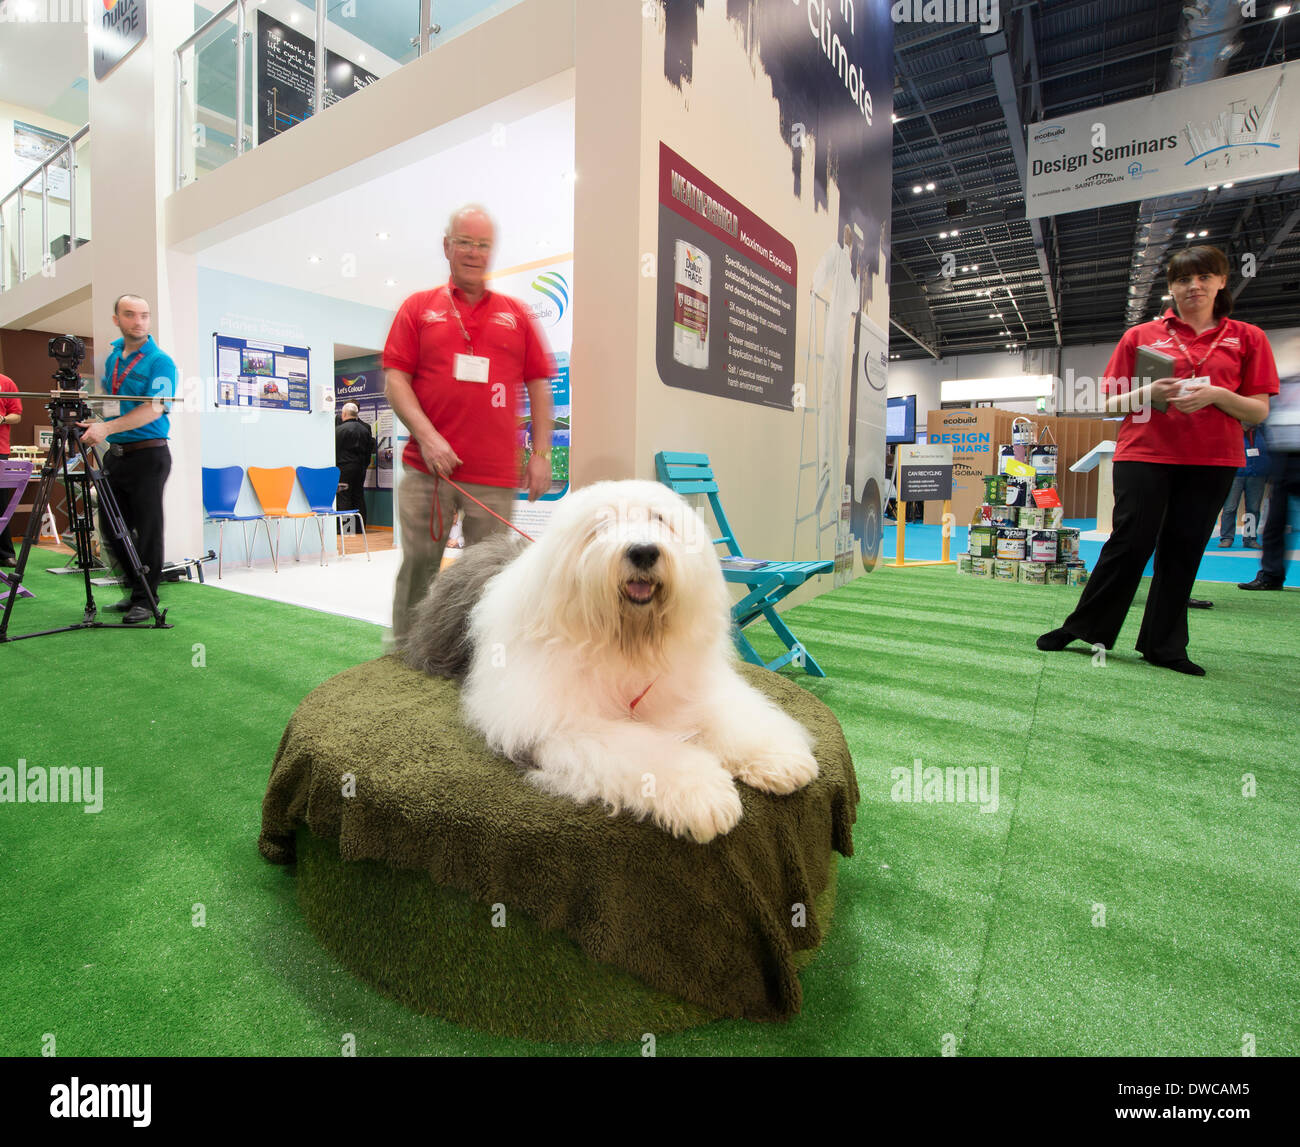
{"x":138,"y":461}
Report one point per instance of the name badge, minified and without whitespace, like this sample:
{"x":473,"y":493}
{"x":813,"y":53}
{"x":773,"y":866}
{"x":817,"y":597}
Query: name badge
{"x":1253,"y":452}
{"x":470,"y":368}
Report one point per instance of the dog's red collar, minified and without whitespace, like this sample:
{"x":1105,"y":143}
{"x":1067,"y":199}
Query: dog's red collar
{"x":637,"y":699}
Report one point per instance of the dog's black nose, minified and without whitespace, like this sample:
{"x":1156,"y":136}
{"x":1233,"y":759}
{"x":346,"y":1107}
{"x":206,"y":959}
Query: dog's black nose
{"x":643,"y":557}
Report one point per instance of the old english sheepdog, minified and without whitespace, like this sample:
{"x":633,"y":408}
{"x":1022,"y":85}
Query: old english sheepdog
{"x":600,"y":658}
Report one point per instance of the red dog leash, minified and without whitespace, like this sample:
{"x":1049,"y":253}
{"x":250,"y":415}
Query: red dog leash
{"x":437,"y":508}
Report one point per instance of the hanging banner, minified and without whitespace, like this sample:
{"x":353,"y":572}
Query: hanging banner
{"x":286,"y":68}
{"x":1240,"y":127}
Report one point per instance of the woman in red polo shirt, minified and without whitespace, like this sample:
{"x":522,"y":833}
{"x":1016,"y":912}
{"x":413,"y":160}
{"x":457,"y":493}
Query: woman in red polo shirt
{"x":1173,"y":468}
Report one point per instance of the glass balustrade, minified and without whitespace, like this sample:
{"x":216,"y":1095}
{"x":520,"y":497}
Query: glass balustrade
{"x":364,"y":41}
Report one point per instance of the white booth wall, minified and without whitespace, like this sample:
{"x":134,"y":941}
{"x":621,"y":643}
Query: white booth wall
{"x":234,"y":436}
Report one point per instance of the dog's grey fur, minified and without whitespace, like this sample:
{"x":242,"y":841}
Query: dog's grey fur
{"x":438,"y":641}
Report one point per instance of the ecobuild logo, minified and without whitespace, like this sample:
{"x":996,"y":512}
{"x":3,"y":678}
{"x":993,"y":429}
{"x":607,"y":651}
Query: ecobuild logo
{"x":985,"y":13}
{"x":1048,"y":132}
{"x":554,"y":289}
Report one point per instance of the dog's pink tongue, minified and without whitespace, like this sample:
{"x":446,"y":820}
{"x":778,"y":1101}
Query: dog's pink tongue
{"x":640,"y":591}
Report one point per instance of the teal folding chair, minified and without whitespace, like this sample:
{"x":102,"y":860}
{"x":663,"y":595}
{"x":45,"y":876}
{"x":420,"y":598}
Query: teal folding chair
{"x":768,"y":583}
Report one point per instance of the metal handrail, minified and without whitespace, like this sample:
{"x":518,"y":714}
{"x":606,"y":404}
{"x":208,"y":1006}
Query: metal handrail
{"x":58,"y":151}
{"x":20,"y":190}
{"x":236,"y":6}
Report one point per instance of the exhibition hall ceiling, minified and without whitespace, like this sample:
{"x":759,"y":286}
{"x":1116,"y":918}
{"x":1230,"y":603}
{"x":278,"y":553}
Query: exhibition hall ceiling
{"x":521,"y":171}
{"x":1066,"y":278}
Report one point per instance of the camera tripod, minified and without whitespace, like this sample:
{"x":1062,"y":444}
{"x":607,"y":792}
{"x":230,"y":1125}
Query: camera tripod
{"x":67,"y":407}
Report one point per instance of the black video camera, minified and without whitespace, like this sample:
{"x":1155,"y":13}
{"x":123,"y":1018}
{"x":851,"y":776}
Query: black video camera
{"x":67,"y":351}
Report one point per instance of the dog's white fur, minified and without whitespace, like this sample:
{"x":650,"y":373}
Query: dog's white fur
{"x":560,"y":652}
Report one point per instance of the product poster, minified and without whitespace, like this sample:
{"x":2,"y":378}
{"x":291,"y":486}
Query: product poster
{"x":286,"y":64}
{"x":726,"y":312}
{"x":265,"y":375}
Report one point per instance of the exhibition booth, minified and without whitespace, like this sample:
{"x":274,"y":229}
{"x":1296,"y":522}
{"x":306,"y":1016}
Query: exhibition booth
{"x":714,"y":287}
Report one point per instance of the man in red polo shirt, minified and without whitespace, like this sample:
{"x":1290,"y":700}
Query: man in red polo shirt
{"x":455,"y":359}
{"x":11,"y":413}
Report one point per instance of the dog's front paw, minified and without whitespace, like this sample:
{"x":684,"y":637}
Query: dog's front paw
{"x":778,"y":770}
{"x":699,"y":805}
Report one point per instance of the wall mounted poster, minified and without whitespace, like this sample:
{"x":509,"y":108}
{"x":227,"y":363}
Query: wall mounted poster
{"x":265,"y":375}
{"x":726,"y":311}
{"x":286,"y":65}
{"x":366,"y":389}
{"x":32,"y":147}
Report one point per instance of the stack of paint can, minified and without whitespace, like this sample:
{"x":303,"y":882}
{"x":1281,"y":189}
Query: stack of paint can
{"x":1012,"y":539}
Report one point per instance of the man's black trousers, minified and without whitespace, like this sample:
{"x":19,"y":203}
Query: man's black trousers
{"x":1159,"y":507}
{"x":137,"y":479}
{"x":354,"y":497}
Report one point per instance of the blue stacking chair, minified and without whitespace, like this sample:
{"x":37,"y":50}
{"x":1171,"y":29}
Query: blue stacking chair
{"x":768,"y":584}
{"x":320,"y":485}
{"x":221,"y":486}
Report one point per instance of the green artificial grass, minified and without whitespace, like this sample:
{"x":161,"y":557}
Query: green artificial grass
{"x":1120,"y":788}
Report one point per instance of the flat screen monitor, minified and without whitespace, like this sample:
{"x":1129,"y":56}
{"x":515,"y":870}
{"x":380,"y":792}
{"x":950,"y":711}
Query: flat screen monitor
{"x":900,"y":419}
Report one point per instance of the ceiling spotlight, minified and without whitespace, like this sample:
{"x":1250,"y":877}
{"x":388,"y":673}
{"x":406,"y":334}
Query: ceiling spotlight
{"x":974,"y":266}
{"x":1213,"y":187}
{"x":1191,"y":234}
{"x":293,"y":17}
{"x":943,"y":234}
{"x":916,"y":190}
{"x":381,"y":234}
{"x":893,"y":117}
{"x":1203,"y":234}
{"x":1281,"y":10}
{"x":390,"y":282}
{"x":955,"y":233}
{"x":1165,"y":298}
{"x":929,"y":187}
{"x":313,"y":258}
{"x":964,"y":269}
{"x":1227,"y":185}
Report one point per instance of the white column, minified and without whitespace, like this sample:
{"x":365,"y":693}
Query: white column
{"x":131,"y":113}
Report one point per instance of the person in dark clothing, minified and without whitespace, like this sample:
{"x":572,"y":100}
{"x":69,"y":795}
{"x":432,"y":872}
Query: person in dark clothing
{"x":353,"y":447}
{"x":1284,"y":445}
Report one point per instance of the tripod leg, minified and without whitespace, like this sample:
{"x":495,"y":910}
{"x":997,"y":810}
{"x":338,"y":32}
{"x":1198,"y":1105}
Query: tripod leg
{"x":125,"y":546}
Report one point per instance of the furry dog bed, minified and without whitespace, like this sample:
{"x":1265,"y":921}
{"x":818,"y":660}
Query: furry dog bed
{"x":720,"y":926}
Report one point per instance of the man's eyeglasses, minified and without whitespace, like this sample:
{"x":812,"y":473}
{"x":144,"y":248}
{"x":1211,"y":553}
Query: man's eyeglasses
{"x":461,"y":243}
